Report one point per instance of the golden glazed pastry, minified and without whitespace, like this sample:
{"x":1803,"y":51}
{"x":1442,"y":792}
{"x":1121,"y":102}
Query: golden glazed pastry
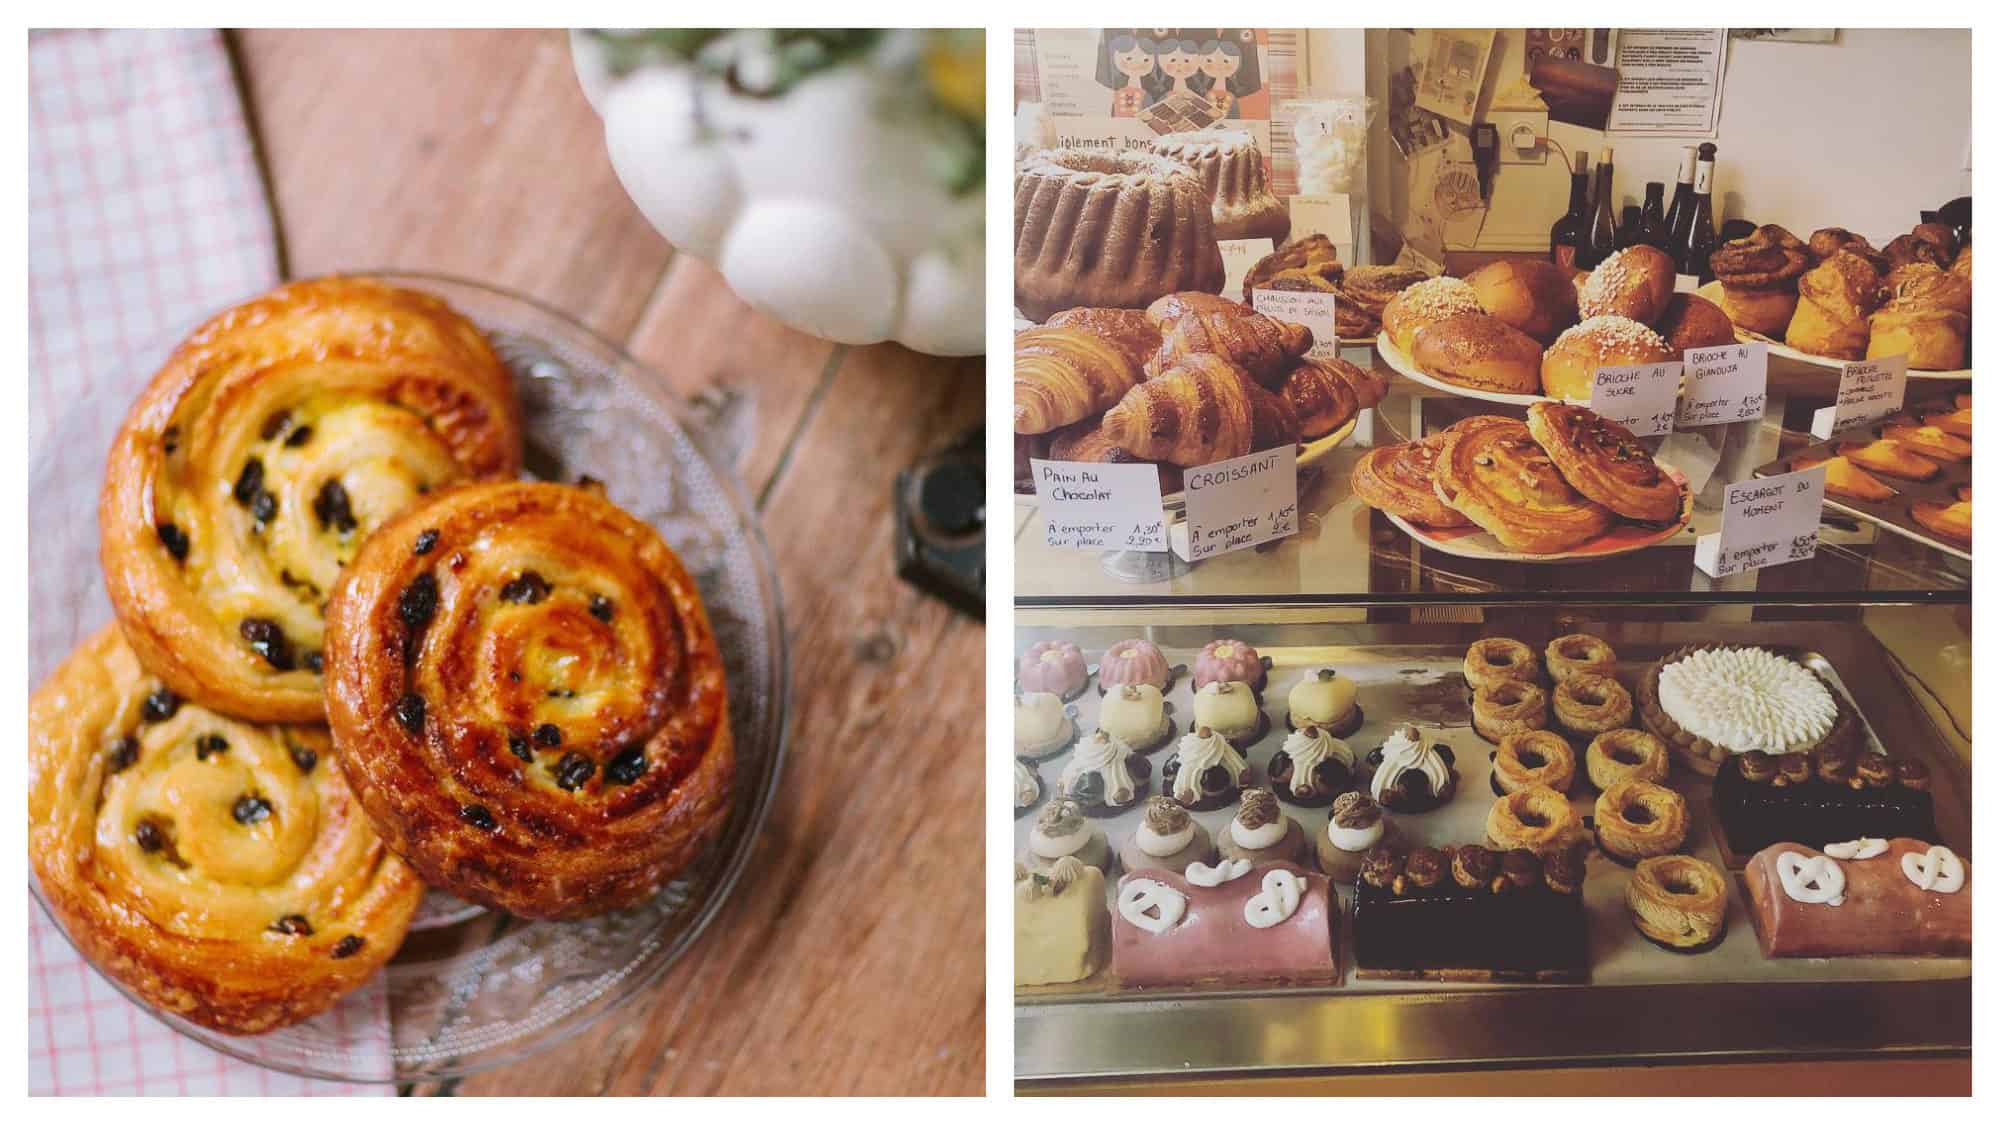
{"x":1633,"y":283}
{"x":1930,"y":441}
{"x":220,"y":869}
{"x":1889,"y":457}
{"x":1931,"y":335}
{"x":1131,"y":331}
{"x":1953,"y":520}
{"x":1065,"y":375}
{"x":529,"y":699}
{"x":1578,"y":654}
{"x":1194,"y":324}
{"x":1397,"y":479}
{"x":275,"y":439}
{"x":1086,"y":441}
{"x":1958,"y":423}
{"x":1509,"y":707}
{"x":1207,"y":409}
{"x":1495,"y":660}
{"x":1679,"y":902}
{"x":1528,"y":294}
{"x":1760,"y":278}
{"x":1605,"y":462}
{"x":1592,"y":704}
{"x":1321,"y":396}
{"x":1312,"y":257}
{"x":1691,"y":322}
{"x":1498,"y":477}
{"x":1426,"y":302}
{"x":1638,"y":819}
{"x":1529,"y":758}
{"x":1570,"y":365}
{"x":1536,"y":818}
{"x":1625,"y":754}
{"x":1479,"y":351}
{"x":1828,"y":241}
{"x":1835,"y":300}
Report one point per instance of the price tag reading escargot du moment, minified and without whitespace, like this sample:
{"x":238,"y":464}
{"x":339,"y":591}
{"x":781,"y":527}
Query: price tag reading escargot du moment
{"x":1242,"y":502}
{"x":1765,"y":522}
{"x":1640,"y":398}
{"x":1091,"y":506}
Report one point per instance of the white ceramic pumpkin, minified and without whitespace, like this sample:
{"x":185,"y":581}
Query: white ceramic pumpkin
{"x":822,"y":206}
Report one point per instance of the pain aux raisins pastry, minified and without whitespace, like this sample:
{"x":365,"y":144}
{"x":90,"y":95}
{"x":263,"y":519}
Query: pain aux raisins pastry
{"x":1324,"y":699}
{"x":1761,"y":799}
{"x":1605,"y":462}
{"x":1231,"y":709}
{"x":1104,"y":776}
{"x":1399,"y":479}
{"x":1469,"y":913}
{"x":1679,"y":903}
{"x":1204,"y":772}
{"x":1355,"y":826}
{"x":1640,"y":819}
{"x":1509,"y":707}
{"x":1043,"y":725}
{"x":1236,"y":923}
{"x":1901,"y":897}
{"x":1062,"y":927}
{"x":1055,"y":667}
{"x":273,"y":441}
{"x":1134,"y":662}
{"x":1312,"y":767}
{"x":1529,"y":758}
{"x":1261,"y":832}
{"x":1168,"y":838}
{"x":1707,"y":702}
{"x":218,"y":868}
{"x":529,"y":699}
{"x":1411,"y":776}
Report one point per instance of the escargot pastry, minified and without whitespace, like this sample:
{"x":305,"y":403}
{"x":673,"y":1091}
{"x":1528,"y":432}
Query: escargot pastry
{"x":276,"y":438}
{"x":218,"y":868}
{"x":529,"y":699}
{"x":1499,"y":478}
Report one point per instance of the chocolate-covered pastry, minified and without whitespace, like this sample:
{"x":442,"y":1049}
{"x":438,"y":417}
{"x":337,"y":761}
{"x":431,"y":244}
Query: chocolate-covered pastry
{"x":1757,"y":767}
{"x":1521,"y":868}
{"x":1563,"y":871}
{"x":1424,"y":868}
{"x":1833,"y":766}
{"x":1837,"y":795}
{"x":1383,"y":867}
{"x":1424,"y":924}
{"x":1914,"y":775}
{"x":1875,"y":771}
{"x":1475,"y":868}
{"x":1793,"y":769}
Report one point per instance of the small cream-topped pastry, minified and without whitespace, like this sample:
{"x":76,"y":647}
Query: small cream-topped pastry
{"x":1063,"y":831}
{"x":1411,"y":776}
{"x":1137,"y":714}
{"x":1204,"y":771}
{"x":1104,"y":776}
{"x":1027,"y":787}
{"x":1042,"y":725}
{"x":1355,"y":825}
{"x":1261,"y":832}
{"x":1168,"y":838}
{"x":1324,"y":699}
{"x":1312,"y":768}
{"x":1230,"y":708}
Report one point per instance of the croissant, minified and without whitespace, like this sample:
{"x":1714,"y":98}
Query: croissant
{"x":1129,"y":330}
{"x":1064,"y":375}
{"x":1205,"y":409}
{"x":1835,"y":299}
{"x":1321,"y":397}
{"x":1086,"y":441}
{"x":1202,"y":324}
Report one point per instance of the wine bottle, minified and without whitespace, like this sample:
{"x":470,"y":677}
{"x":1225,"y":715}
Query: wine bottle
{"x":1567,"y":233}
{"x":1652,"y":221}
{"x":1628,"y":226}
{"x":1680,"y":213}
{"x":1600,"y":239}
{"x":1694,"y":269}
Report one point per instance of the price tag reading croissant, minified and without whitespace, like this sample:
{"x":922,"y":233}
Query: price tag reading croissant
{"x":1242,"y":502}
{"x":1092,"y":506}
{"x":1765,"y":522}
{"x":1870,"y":390}
{"x":1640,"y":398}
{"x":1724,"y":385}
{"x":1314,"y":310}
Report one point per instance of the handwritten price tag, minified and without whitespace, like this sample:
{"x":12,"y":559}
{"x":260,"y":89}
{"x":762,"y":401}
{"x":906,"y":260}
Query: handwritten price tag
{"x":1314,"y":310}
{"x":1640,"y":398}
{"x":1100,"y":507}
{"x":1725,"y":385}
{"x":1242,"y":502}
{"x":1870,"y":390}
{"x":1238,"y":255}
{"x":1765,"y":522}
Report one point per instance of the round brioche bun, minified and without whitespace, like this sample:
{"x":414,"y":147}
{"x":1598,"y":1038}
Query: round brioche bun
{"x":1481,"y":351}
{"x":1426,"y":302}
{"x":1530,"y":294}
{"x":1570,"y":365}
{"x":1633,"y":283}
{"x":1693,"y":322}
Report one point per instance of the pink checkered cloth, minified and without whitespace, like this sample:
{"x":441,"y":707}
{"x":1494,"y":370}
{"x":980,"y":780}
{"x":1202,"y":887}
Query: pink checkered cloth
{"x":146,"y":213}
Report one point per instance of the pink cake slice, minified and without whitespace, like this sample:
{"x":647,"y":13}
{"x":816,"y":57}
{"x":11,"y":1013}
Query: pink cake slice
{"x":1212,"y":941}
{"x":1881,"y":911}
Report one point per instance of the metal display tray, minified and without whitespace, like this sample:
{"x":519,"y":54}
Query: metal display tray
{"x":1892,"y":514}
{"x":1641,"y":1002}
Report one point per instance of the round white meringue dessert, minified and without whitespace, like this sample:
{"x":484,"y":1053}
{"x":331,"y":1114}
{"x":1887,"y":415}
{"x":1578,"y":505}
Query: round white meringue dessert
{"x":1744,"y":699}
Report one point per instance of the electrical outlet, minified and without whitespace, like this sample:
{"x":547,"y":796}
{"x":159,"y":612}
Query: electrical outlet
{"x":1524,"y":135}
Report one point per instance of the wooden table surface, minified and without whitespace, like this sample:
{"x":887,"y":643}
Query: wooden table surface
{"x":851,"y":958}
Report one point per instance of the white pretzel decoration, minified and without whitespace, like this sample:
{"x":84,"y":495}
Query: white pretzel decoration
{"x":1139,"y":896}
{"x":1817,"y":880}
{"x":1202,"y":875}
{"x":1938,"y":869}
{"x":1278,"y":900}
{"x":1867,"y":847}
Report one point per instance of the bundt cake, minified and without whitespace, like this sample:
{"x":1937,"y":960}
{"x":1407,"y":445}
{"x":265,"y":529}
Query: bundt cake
{"x":1232,"y":172}
{"x":1109,"y":231}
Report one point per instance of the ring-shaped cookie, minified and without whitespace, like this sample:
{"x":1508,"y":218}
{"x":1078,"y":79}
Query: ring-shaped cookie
{"x":1490,"y":660}
{"x":1536,"y":818}
{"x":1576,"y":653}
{"x":1592,"y":704}
{"x":1639,"y":819}
{"x":1529,"y":758}
{"x":1679,"y":902}
{"x":1625,"y":754}
{"x":1509,"y":707}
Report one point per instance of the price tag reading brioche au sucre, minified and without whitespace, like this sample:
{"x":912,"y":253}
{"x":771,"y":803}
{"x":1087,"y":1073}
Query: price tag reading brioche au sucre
{"x":1765,"y":522}
{"x":1090,"y":506}
{"x":1724,"y":385}
{"x":1870,"y":390}
{"x":1242,"y":502}
{"x":1314,"y":310}
{"x":1640,"y":397}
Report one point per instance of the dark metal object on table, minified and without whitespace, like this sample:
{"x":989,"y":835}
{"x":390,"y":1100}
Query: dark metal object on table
{"x":941,"y":524}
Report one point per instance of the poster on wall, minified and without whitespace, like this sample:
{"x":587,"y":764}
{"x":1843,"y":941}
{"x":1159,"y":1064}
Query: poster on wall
{"x":1454,"y":69}
{"x":1669,"y":82}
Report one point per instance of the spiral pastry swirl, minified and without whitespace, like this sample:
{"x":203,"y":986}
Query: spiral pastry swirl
{"x":248,"y":473}
{"x":220,"y":869}
{"x":528,"y":697}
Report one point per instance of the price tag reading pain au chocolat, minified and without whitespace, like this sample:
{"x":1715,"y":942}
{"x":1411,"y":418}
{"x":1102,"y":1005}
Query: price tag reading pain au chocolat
{"x":1640,"y":398}
{"x":1242,"y":502}
{"x":1765,"y":522}
{"x":1092,"y":506}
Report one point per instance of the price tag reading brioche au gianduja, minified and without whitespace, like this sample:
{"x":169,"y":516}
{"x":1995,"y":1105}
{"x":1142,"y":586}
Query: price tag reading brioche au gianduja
{"x":1765,"y":522}
{"x":1639,"y":398}
{"x":1314,"y":310}
{"x":1724,"y":385}
{"x":1091,"y":506}
{"x":1870,"y":390}
{"x":1242,"y":502}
